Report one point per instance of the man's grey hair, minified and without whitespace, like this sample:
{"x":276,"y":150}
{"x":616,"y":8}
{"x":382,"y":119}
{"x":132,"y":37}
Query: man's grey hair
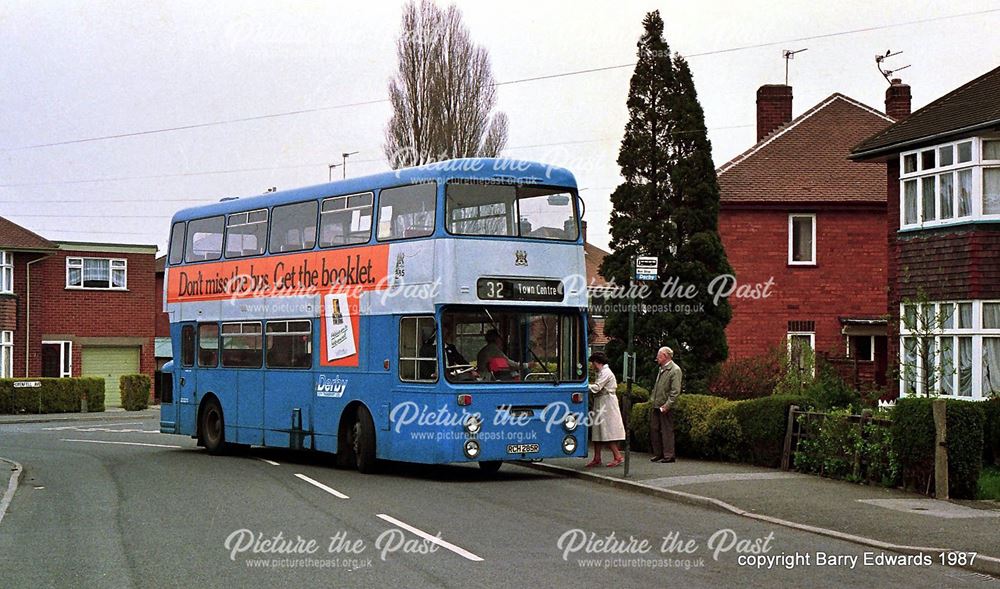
{"x":666,"y":350}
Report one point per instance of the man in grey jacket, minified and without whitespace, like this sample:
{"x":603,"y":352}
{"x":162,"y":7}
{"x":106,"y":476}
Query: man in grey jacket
{"x":663,"y":397}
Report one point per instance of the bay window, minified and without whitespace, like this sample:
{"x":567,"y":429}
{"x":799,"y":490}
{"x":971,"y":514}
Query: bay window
{"x":952,"y":183}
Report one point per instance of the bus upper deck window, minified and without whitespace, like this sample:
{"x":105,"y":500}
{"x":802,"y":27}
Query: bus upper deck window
{"x":407,"y":211}
{"x":246,"y":234}
{"x":177,"y":243}
{"x":293,"y":227}
{"x":204,"y":239}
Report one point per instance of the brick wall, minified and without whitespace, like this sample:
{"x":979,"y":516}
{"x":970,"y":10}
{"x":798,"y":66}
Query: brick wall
{"x":161,"y":319}
{"x":848,"y":280}
{"x":8,"y":312}
{"x":73,"y":314}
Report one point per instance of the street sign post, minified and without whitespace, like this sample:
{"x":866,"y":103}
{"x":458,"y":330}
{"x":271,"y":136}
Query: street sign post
{"x":644,"y":269}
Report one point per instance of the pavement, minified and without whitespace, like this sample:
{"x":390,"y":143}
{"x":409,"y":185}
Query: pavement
{"x":111,"y":413}
{"x":889,"y":519}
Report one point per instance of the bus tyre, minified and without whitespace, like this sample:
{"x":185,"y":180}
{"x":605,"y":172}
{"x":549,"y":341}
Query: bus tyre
{"x":213,"y":428}
{"x":490,"y":466}
{"x":363,"y":438}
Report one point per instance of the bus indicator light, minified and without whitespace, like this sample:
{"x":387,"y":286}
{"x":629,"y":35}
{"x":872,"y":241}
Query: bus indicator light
{"x":464,"y":400}
{"x":577,"y":397}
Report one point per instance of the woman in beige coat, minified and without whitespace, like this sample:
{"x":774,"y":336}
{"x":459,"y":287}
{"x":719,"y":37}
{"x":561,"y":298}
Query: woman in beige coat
{"x":606,"y":418}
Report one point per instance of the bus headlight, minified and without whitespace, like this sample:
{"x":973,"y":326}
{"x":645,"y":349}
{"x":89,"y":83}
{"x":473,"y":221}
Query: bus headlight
{"x":571,"y":422}
{"x":569,"y":444}
{"x":473,"y":424}
{"x":471,"y":449}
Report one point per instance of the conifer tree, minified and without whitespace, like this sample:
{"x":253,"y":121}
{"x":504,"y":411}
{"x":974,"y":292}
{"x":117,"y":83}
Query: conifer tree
{"x":668,"y":207}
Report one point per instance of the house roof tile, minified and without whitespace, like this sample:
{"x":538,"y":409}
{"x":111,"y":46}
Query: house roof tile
{"x":805,"y":160}
{"x":17,"y":238}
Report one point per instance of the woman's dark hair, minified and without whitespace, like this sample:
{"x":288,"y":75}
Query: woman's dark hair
{"x":598,"y":357}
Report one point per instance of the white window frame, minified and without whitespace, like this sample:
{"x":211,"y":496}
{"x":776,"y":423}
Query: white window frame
{"x":65,"y":348}
{"x":6,"y":272}
{"x":812,"y":345}
{"x":114,"y":265}
{"x":6,"y":354}
{"x":791,"y":239}
{"x":976,"y":165}
{"x":977,"y":333}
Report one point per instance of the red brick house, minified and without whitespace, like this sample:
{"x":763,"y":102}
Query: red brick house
{"x":796,"y":213}
{"x":942,"y":166}
{"x":74,"y":309}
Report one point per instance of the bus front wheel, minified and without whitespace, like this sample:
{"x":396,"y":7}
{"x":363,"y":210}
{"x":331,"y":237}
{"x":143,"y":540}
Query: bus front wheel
{"x":363,"y":441}
{"x":213,"y":427}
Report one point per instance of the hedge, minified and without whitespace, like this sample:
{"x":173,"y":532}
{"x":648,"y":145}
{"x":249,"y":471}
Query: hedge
{"x":135,"y":391}
{"x":991,"y":432}
{"x":55,"y":395}
{"x":640,"y":426}
{"x":763,"y":423}
{"x":913,"y":442}
{"x":691,"y":424}
{"x":639,"y":394}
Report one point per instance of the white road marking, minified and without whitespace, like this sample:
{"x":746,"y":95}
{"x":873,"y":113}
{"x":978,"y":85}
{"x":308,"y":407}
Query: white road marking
{"x":11,"y":485}
{"x":103,"y":429}
{"x":271,"y":462}
{"x":457,"y":550}
{"x":61,"y":427}
{"x":122,"y":443}
{"x":329,"y":490}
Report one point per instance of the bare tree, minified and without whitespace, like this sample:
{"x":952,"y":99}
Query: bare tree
{"x":443,"y":94}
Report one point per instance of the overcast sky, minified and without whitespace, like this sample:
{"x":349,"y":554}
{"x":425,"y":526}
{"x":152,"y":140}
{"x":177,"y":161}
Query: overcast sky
{"x":81,"y":70}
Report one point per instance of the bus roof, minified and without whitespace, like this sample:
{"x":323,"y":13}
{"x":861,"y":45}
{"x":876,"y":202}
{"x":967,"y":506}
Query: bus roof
{"x":500,"y":170}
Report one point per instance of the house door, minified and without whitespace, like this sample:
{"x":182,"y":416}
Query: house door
{"x":881,"y":360}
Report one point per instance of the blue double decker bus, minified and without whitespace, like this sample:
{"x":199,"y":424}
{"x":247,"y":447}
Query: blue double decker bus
{"x":430,"y":315}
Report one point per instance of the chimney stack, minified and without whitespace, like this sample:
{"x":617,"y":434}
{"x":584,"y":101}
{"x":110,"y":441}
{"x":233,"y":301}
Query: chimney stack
{"x":774,"y":108}
{"x":897,"y":100}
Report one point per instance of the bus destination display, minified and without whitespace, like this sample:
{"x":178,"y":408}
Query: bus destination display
{"x":519,"y":289}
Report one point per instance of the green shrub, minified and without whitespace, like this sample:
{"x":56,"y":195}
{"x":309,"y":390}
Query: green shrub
{"x":639,"y":394}
{"x":691,"y":424}
{"x":829,"y":391}
{"x":991,"y":432}
{"x":840,"y":448}
{"x":135,"y":391}
{"x":93,"y":390}
{"x":913,"y":441}
{"x":55,"y":395}
{"x":763,"y":423}
{"x":724,"y":436}
{"x":640,"y":427}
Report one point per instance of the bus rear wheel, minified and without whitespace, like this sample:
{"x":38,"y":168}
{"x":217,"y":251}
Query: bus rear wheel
{"x":363,"y":442}
{"x":213,"y":428}
{"x":490,"y":466}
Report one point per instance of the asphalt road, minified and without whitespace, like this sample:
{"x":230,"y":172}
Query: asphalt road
{"x":116,"y":504}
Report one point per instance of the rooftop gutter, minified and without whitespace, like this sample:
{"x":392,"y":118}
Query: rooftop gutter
{"x":900,"y":146}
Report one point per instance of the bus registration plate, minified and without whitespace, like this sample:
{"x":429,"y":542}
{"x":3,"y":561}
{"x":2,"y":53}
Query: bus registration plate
{"x":522,"y":448}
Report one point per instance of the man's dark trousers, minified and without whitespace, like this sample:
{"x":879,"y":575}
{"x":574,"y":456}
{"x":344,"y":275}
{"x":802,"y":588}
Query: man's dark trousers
{"x":661,"y":433}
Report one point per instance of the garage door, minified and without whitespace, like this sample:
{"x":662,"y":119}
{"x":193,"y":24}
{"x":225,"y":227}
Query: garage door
{"x":110,"y":364}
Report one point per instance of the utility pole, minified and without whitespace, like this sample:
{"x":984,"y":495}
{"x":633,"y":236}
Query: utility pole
{"x":331,"y":167}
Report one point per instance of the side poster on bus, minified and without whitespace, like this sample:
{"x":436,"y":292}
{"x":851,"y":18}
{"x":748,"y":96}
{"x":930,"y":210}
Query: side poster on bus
{"x":333,"y":279}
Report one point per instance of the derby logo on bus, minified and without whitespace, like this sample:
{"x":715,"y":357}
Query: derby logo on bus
{"x":330,"y":387}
